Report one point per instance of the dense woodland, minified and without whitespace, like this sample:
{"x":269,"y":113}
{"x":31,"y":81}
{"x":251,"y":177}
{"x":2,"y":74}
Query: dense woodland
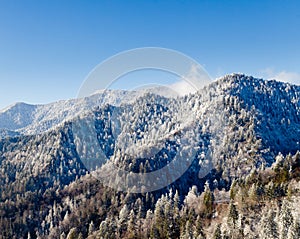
{"x":243,"y":181}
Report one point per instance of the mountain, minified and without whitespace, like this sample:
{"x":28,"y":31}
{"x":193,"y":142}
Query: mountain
{"x":236,"y":133}
{"x":25,"y":119}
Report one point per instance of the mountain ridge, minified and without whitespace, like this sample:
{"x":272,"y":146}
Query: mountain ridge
{"x":21,"y":117}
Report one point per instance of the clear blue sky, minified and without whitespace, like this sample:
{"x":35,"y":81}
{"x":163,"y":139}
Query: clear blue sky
{"x":48,"y":47}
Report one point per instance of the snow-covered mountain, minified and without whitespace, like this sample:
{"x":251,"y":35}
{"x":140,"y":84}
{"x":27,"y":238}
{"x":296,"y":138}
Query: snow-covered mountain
{"x":230,"y":130}
{"x":25,"y":119}
{"x":237,"y":122}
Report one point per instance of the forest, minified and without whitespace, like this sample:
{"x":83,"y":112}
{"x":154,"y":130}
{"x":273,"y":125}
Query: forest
{"x":240,"y":137}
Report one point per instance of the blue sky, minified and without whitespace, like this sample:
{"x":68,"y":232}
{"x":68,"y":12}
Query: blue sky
{"x":47,"y":48}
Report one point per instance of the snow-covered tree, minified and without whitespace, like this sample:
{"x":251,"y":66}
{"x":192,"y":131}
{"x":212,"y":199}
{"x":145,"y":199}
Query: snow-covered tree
{"x":285,"y":219}
{"x":269,"y":227}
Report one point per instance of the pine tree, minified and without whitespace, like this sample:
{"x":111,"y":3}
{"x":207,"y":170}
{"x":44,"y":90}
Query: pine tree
{"x":188,"y":232}
{"x":233,"y":190}
{"x":176,"y":216}
{"x":72,"y":234}
{"x":168,"y":214}
{"x":158,"y":219}
{"x":122,"y":220}
{"x":208,"y":201}
{"x":269,"y":227}
{"x":253,"y":193}
{"x":218,"y":232}
{"x":285,"y":219}
{"x":233,"y":215}
{"x":131,"y":229}
{"x":148,"y":224}
{"x":198,"y":232}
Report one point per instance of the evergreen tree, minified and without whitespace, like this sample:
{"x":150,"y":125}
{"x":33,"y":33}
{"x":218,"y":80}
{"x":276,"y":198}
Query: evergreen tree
{"x":176,"y":216}
{"x":269,"y":227}
{"x":158,"y":227}
{"x":218,"y":232}
{"x":233,"y":215}
{"x":169,"y":222}
{"x":72,"y":234}
{"x":208,"y":201}
{"x":148,"y":224}
{"x":198,"y":232}
{"x":188,"y":231}
{"x":122,"y":220}
{"x":232,"y":190}
{"x":253,"y":193}
{"x":285,"y":219}
{"x":131,"y":229}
